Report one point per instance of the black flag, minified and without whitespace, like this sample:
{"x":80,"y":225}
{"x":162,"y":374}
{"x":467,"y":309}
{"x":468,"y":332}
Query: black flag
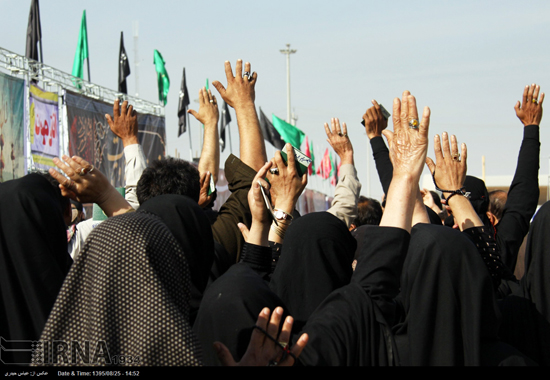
{"x":123,"y":67}
{"x":34,"y":33}
{"x":182,"y":107}
{"x":224,"y":121}
{"x":270,"y":133}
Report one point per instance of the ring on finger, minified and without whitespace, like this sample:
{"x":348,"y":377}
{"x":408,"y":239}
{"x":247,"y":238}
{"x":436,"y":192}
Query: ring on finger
{"x":274,"y":171}
{"x":413,"y":124}
{"x":535,"y":101}
{"x":246,"y":75}
{"x":455,"y":156}
{"x":340,"y":134}
{"x":82,"y":171}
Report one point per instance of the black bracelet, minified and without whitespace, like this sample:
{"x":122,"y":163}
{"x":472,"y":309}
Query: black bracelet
{"x":453,"y":192}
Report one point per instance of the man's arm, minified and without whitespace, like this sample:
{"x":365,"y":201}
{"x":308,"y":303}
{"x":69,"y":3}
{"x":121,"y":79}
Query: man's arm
{"x":124,"y":124}
{"x":524,"y":191}
{"x":375,"y":123}
{"x":209,"y":163}
{"x":348,"y":189}
{"x":240,"y":95}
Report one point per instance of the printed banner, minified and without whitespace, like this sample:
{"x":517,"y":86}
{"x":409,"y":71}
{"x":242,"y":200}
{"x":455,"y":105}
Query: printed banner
{"x":44,"y":127}
{"x":12,"y":131}
{"x":91,"y":138}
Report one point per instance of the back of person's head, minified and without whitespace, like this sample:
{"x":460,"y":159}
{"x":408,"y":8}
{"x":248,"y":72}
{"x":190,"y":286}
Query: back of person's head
{"x":497,"y":201}
{"x":169,"y":176}
{"x":369,"y":212}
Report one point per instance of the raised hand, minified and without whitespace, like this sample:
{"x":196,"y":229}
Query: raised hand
{"x":530,"y":110}
{"x":267,"y":346}
{"x":339,"y":141}
{"x":408,"y":143}
{"x":286,"y":185}
{"x":240,"y":87}
{"x":375,"y":122}
{"x":449,"y":169}
{"x":124,"y":122}
{"x":87,"y":184}
{"x":208,"y":109}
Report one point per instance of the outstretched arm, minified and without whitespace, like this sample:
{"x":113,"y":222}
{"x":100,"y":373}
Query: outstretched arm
{"x":408,"y":145}
{"x":524,"y":191}
{"x":240,"y":94}
{"x":348,"y":189}
{"x":375,"y":123}
{"x":124,"y":124}
{"x":209,"y":162}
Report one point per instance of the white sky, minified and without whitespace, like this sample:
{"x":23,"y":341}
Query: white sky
{"x":467,"y":60}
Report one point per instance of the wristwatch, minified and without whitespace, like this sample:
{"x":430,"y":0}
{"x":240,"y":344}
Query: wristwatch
{"x":281,"y":215}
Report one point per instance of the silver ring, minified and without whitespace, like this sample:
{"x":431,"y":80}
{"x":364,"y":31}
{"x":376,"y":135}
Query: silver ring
{"x":91,"y":169}
{"x":211,"y":101}
{"x":456,"y":156}
{"x":413,"y":124}
{"x":82,"y":171}
{"x":246,"y":75}
{"x":274,"y":170}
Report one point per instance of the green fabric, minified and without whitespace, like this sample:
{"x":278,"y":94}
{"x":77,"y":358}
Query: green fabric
{"x":312,"y":157}
{"x":288,"y":132}
{"x":81,"y":50}
{"x":162,"y":77}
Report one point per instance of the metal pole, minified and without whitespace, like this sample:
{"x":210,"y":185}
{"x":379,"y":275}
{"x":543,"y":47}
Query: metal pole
{"x":288,"y":52}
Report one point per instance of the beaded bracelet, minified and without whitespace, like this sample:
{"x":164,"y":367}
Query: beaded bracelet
{"x":453,"y":192}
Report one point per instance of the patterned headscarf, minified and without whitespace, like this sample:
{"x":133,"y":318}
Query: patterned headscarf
{"x":127,"y":295}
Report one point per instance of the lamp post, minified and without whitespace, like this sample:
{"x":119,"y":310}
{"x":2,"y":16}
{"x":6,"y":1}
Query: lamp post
{"x":288,"y":52}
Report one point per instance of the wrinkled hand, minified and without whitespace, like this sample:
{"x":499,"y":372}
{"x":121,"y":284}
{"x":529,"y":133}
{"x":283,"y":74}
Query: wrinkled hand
{"x":87,"y":188}
{"x":449,"y":169}
{"x":204,"y":198}
{"x":240,"y":90}
{"x":125,"y":124}
{"x":408,"y":146}
{"x":339,"y":141}
{"x":87,"y":184}
{"x":530,"y":111}
{"x":375,"y":122}
{"x":208,"y":113}
{"x":262,"y":350}
{"x":287,"y":185}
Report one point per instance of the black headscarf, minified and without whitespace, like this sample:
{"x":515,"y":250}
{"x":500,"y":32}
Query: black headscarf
{"x":33,"y":256}
{"x":229,"y":310}
{"x":128,"y":288}
{"x":191,"y":228}
{"x":450,"y":309}
{"x":316,"y":258}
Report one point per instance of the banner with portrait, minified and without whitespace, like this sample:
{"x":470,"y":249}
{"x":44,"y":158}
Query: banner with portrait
{"x":12,"y":131}
{"x":43,"y":127}
{"x":91,"y":138}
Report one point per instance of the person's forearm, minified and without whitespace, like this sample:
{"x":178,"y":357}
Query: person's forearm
{"x":252,"y":145}
{"x":113,"y":203}
{"x":420,"y":215}
{"x":400,"y":202}
{"x":210,"y":155}
{"x":464,"y":213}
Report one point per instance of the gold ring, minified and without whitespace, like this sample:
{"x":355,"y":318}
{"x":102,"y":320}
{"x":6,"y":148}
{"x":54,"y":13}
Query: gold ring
{"x":413,"y":124}
{"x":535,"y":101}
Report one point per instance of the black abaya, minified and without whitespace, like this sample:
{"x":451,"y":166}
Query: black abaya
{"x":33,"y":257}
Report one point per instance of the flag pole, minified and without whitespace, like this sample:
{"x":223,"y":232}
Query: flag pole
{"x":190,"y":141}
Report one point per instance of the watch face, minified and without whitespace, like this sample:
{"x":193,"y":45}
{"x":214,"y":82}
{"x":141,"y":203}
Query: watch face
{"x":279,"y":214}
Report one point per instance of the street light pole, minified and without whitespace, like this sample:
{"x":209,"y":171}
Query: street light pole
{"x":288,"y":52}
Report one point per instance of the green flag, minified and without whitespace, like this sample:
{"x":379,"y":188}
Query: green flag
{"x":288,"y":132}
{"x":312,"y":158}
{"x":207,"y":84}
{"x":162,"y":77}
{"x":81,"y":51}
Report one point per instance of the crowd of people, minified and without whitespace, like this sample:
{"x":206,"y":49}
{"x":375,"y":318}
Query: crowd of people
{"x":419,"y":278}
